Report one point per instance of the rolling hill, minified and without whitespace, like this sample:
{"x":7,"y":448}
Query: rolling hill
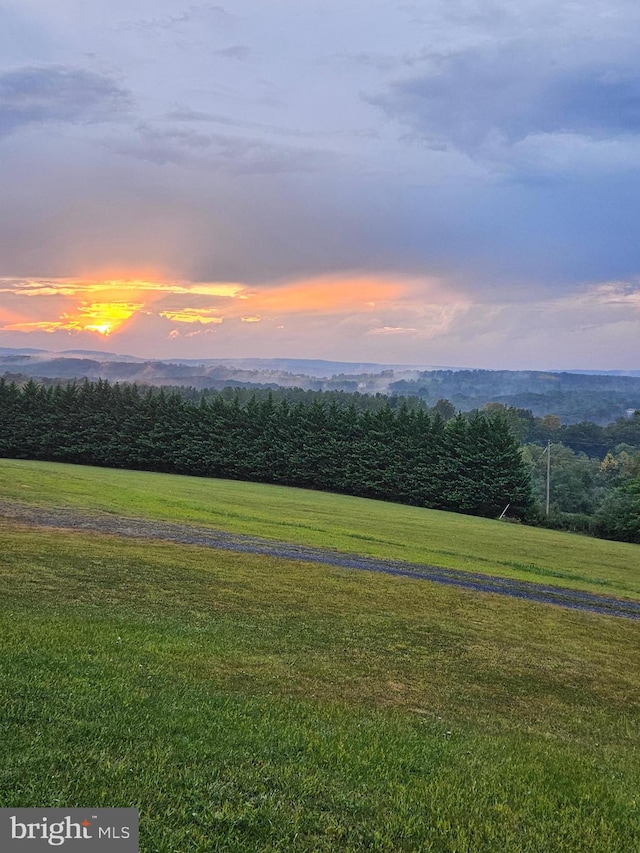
{"x":248,"y":702}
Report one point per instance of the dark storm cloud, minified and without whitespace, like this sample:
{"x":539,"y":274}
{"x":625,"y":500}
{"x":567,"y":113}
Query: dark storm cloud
{"x":58,"y":94}
{"x":469,"y":98}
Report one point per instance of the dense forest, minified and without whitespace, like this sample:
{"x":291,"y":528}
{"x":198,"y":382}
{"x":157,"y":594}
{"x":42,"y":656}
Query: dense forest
{"x":573,"y":397}
{"x":594,"y":471}
{"x":467,"y":464}
{"x":389,"y":448}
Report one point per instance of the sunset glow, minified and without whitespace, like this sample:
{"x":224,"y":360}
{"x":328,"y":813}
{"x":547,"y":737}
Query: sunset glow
{"x":104,"y":317}
{"x":413,"y":181}
{"x":192,"y":315}
{"x":328,"y":295}
{"x":209,"y":316}
{"x":118,"y":301}
{"x":382,"y":314}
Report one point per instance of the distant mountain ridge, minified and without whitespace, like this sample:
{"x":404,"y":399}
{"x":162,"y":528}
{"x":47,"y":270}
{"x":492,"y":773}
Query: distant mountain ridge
{"x":304,"y":366}
{"x":571,"y":395}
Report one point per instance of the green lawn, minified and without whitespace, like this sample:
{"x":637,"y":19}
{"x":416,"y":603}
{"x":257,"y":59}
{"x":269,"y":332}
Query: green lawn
{"x":336,"y":521}
{"x":246,"y":703}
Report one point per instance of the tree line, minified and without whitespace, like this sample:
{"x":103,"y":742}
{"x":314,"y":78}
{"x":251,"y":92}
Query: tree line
{"x":573,"y":397}
{"x":470,"y":464}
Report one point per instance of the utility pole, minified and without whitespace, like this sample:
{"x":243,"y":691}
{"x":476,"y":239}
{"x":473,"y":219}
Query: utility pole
{"x":548,"y":473}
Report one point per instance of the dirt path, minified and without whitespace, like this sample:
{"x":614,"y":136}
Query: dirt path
{"x":71,"y":519}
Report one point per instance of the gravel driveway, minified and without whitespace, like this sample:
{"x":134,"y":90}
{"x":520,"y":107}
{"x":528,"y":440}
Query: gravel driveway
{"x":71,"y":519}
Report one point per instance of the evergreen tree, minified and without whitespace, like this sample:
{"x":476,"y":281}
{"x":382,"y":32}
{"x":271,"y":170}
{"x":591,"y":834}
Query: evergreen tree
{"x":619,"y":515}
{"x":389,"y":451}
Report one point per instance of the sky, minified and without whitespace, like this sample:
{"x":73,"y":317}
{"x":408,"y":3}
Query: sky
{"x":448,"y":182}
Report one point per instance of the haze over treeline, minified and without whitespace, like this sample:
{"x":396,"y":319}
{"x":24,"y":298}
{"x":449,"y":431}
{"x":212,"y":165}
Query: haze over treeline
{"x":573,"y":397}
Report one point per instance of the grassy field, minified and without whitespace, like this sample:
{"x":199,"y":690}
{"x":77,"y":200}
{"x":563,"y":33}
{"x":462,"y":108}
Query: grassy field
{"x":335,"y":521}
{"x":246,"y":703}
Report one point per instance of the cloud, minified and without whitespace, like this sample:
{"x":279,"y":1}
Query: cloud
{"x":393,"y":330}
{"x":486,"y":95}
{"x":496,"y":151}
{"x":618,"y":297}
{"x":235,"y":51}
{"x":58,"y":94}
{"x":236,"y":155}
{"x":185,"y":115}
{"x":18,"y":287}
{"x":101,"y":318}
{"x":195,"y":15}
{"x":594,"y":326}
{"x":380,"y":319}
{"x":193,"y":315}
{"x":377,"y":303}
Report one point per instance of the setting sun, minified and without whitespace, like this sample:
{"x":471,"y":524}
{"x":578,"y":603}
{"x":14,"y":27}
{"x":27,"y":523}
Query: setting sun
{"x":101,"y":317}
{"x":103,"y":329}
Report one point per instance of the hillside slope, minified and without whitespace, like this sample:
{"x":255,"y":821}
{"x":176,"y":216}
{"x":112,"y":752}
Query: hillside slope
{"x":347,"y":524}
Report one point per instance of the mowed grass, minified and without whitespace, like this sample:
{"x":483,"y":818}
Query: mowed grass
{"x":246,"y":703}
{"x":334,"y":521}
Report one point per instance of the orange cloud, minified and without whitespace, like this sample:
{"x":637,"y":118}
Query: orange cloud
{"x":105,"y":305}
{"x":193,"y":315}
{"x":100,"y":317}
{"x":392,"y":330}
{"x":384,"y":304}
{"x":327,"y":295}
{"x":42,"y":326}
{"x":115,"y":288}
